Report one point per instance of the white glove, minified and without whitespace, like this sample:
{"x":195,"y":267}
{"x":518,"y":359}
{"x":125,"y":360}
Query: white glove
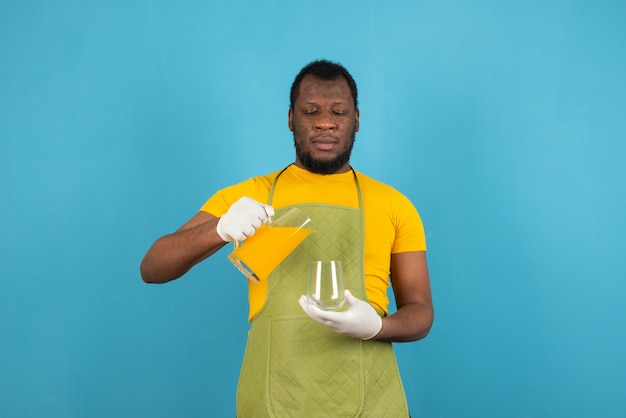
{"x":360,"y":320}
{"x":242,"y":219}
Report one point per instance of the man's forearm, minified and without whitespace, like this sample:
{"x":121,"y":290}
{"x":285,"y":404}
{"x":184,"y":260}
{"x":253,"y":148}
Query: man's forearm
{"x":410,"y":323}
{"x":173,"y":255}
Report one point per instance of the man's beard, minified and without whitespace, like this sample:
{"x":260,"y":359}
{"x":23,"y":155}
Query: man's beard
{"x":323,"y":166}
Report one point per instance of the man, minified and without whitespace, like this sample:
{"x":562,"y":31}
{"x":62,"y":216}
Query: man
{"x":300,"y":359}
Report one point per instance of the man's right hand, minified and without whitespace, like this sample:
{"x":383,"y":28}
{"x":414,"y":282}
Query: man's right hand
{"x":243,"y":218}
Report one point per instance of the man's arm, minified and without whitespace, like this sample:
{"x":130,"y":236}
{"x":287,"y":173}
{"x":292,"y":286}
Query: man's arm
{"x":173,"y":255}
{"x":412,"y":320}
{"x":411,"y":287}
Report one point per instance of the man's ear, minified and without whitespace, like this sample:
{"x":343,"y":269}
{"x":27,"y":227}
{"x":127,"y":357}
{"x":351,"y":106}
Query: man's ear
{"x":290,"y":120}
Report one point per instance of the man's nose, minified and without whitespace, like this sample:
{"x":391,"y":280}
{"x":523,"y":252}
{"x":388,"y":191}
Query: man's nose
{"x":325,"y":121}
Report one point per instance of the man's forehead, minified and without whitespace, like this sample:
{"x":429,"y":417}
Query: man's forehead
{"x":313,"y":79}
{"x":314,"y":86}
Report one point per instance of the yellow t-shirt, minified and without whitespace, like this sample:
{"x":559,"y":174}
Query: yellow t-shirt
{"x":392,"y":224}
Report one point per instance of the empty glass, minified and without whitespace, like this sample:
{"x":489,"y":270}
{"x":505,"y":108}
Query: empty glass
{"x":325,"y":288}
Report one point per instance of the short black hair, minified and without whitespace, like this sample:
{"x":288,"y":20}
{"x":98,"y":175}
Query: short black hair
{"x":324,"y":70}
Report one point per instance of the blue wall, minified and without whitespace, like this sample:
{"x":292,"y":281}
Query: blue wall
{"x":502,"y":121}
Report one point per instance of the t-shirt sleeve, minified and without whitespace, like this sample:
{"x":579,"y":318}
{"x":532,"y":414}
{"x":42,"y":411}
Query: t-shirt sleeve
{"x":409,"y":228}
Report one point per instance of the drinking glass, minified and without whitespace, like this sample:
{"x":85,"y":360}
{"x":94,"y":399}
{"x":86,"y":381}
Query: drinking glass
{"x":325,"y":287}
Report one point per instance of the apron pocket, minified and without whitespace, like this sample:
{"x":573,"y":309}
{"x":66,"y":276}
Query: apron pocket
{"x":313,"y":371}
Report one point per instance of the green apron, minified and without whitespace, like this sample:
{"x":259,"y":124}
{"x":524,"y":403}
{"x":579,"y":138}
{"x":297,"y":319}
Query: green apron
{"x":295,"y":367}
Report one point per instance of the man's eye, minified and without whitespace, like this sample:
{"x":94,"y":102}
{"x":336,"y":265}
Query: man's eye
{"x":339,"y":112}
{"x":310,"y":112}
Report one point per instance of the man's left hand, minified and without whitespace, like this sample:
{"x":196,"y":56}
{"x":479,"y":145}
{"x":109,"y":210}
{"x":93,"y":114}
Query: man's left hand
{"x":360,"y":320}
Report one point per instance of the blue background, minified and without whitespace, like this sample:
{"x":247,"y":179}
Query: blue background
{"x":502,"y":121}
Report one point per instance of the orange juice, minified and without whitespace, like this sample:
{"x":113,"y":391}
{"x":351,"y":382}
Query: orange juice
{"x":266,"y":249}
